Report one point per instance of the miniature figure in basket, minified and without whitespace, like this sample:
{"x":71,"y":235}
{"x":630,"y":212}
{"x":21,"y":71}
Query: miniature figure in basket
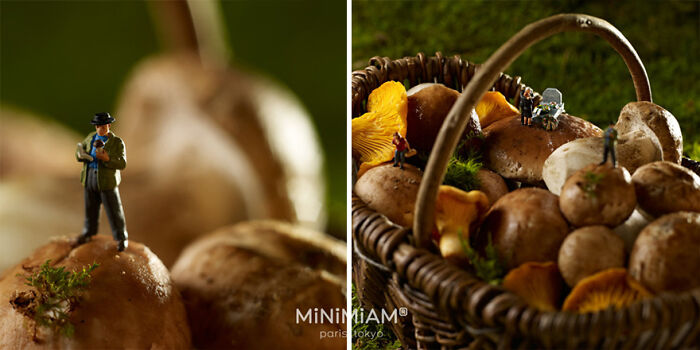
{"x":103,"y":156}
{"x":403,"y":150}
{"x":610,"y":137}
{"x":526,"y":105}
{"x":547,"y":113}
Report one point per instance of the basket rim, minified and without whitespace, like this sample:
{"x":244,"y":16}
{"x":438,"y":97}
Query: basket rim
{"x":434,"y":68}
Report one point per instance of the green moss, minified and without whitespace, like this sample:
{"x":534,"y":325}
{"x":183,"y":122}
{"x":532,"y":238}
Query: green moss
{"x":387,"y":341}
{"x":591,"y":181}
{"x":463,"y":167}
{"x":462,"y":174}
{"x":488,"y":268}
{"x":56,"y":292}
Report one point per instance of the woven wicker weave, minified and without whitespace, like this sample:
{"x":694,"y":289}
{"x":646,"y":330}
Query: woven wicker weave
{"x":448,"y":307}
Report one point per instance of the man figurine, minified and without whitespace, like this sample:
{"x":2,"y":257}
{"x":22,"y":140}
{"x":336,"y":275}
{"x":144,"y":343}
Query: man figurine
{"x":526,"y":105}
{"x":401,"y":149}
{"x":610,"y":137}
{"x":103,"y":156}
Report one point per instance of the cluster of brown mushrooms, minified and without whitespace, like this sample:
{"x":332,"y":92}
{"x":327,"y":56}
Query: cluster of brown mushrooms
{"x":559,"y":221}
{"x":202,"y":142}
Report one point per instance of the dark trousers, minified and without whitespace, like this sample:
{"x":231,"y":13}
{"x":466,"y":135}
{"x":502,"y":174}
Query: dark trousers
{"x":113,"y":207}
{"x":609,"y":148}
{"x":525,"y":117}
{"x":399,"y":157}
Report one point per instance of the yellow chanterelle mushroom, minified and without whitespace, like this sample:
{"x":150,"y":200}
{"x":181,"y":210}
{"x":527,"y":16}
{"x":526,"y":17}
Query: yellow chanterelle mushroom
{"x":539,"y":284}
{"x":372,"y":132}
{"x":456,"y":212}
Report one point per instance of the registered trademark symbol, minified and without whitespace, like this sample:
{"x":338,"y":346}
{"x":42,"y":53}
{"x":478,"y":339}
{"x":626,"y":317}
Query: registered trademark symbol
{"x":403,"y":311}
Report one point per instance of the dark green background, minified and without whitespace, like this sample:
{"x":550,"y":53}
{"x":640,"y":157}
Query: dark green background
{"x":66,"y":60}
{"x":592,"y":77}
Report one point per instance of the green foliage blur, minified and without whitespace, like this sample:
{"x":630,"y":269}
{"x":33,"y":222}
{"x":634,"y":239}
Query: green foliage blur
{"x":370,"y":335}
{"x":67,"y":60}
{"x":592,"y":77}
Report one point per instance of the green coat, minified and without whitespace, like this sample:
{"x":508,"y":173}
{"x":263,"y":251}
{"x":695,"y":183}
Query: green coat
{"x":108,"y":176}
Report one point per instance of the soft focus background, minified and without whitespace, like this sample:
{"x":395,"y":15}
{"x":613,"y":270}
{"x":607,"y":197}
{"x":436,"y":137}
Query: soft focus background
{"x":66,"y":60}
{"x":592,"y":77}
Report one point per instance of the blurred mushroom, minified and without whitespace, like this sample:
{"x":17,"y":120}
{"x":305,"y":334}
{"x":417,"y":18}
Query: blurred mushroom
{"x":130,"y":302}
{"x":637,"y":115}
{"x":48,"y":153}
{"x":518,"y":152}
{"x":589,"y":250}
{"x":633,"y":149}
{"x":245,"y":285}
{"x":539,"y":284}
{"x":203,"y":142}
{"x":598,"y":195}
{"x":665,"y":256}
{"x":372,"y":132}
{"x":494,"y":107}
{"x":40,"y":191}
{"x":491,"y":184}
{"x":630,"y":229}
{"x":526,"y":225}
{"x":390,"y":191}
{"x":427,"y":110}
{"x":457,"y":214}
{"x":608,"y":288}
{"x":665,"y":187}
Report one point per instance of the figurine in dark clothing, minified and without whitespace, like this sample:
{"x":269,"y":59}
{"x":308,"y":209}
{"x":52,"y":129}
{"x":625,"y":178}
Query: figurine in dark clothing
{"x":401,"y":149}
{"x":610,"y":137}
{"x":103,"y":156}
{"x":526,"y":105}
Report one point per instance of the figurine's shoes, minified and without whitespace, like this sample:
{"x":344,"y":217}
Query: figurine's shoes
{"x":123,"y":244}
{"x":83,"y":238}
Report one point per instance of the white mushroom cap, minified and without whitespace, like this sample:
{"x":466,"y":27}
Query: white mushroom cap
{"x":633,"y":150}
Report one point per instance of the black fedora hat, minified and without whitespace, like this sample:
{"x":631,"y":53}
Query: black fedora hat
{"x":102,"y":119}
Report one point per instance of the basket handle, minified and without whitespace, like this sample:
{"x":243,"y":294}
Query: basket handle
{"x":457,"y":118}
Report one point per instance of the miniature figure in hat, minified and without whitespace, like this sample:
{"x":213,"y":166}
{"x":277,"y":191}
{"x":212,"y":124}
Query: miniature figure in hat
{"x":103,"y":156}
{"x":610,"y":137}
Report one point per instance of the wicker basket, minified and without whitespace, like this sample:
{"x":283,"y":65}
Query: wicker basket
{"x":450,"y":308}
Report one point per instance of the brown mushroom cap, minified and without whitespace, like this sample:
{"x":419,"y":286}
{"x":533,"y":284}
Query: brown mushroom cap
{"x":666,"y":255}
{"x":241,"y":294}
{"x":589,"y":250}
{"x":390,"y":191}
{"x":427,"y":110}
{"x":665,"y":187}
{"x":130,"y":303}
{"x":526,"y":225}
{"x":518,"y":152}
{"x":598,"y":195}
{"x":491,"y":184}
{"x":661,"y":122}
